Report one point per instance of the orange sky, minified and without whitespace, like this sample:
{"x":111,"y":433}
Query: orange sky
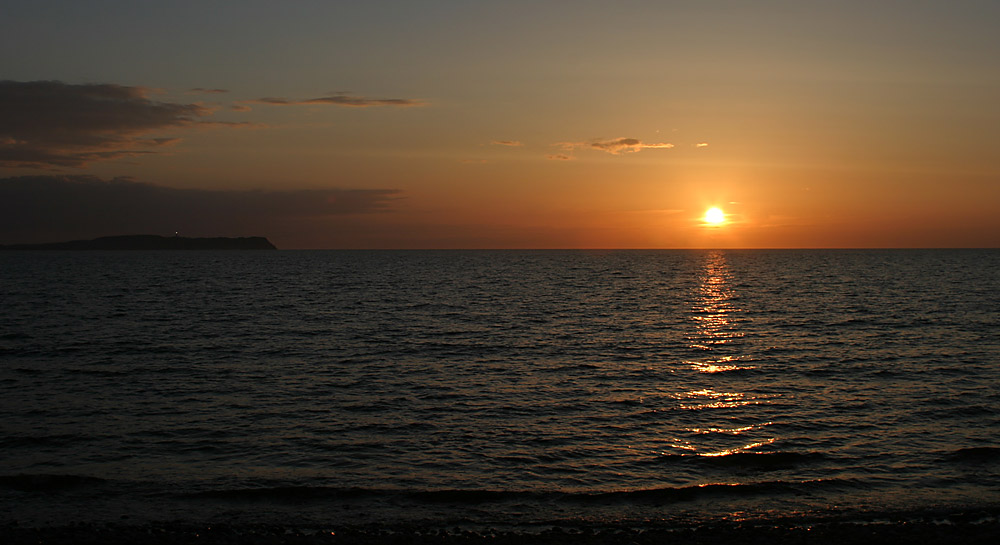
{"x":516,"y":125}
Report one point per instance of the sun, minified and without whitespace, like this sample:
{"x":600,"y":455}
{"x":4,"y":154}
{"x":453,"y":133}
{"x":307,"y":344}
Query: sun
{"x":714,"y":216}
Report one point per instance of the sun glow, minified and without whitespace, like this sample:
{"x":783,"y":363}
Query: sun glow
{"x":714,"y":216}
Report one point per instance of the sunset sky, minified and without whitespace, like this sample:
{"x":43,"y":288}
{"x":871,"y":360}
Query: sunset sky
{"x":446,"y":124}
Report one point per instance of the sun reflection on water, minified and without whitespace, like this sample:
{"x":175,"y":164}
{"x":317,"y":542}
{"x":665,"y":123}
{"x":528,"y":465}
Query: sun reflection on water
{"x":728,"y":451}
{"x":717,"y":337}
{"x":710,"y":399}
{"x":716,"y":314}
{"x":730,"y":431}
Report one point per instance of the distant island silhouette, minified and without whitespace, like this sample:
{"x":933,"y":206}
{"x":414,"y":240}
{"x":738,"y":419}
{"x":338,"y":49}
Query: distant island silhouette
{"x":152,"y":242}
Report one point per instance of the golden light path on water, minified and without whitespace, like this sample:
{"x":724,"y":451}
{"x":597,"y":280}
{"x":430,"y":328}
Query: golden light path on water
{"x":717,"y":316}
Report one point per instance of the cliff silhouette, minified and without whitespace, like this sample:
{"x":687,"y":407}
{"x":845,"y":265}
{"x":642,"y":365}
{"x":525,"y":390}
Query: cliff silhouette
{"x":152,"y":242}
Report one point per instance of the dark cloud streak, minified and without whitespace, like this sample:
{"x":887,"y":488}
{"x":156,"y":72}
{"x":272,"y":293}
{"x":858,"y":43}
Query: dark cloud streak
{"x":203,"y":91}
{"x":341,"y":99}
{"x":46,"y":124}
{"x":54,"y":208}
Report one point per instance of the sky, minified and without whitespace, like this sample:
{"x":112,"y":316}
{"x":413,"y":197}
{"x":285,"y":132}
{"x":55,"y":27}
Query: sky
{"x":458,"y":124}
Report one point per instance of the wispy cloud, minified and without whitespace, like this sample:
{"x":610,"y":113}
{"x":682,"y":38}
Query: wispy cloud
{"x":511,"y":143}
{"x":615,"y":146}
{"x":50,"y":124}
{"x":341,"y":99}
{"x":559,"y":157}
{"x":51,"y":208}
{"x":701,"y":145}
{"x":203,"y":91}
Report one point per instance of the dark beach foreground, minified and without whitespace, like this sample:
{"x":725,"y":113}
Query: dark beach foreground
{"x":966,"y":527}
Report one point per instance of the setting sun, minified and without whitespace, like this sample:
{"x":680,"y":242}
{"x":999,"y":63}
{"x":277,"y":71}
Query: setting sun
{"x":714,"y":216}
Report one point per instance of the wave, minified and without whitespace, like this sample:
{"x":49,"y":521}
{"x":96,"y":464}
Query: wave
{"x":98,"y":372}
{"x":746,"y":460}
{"x":765,"y":460}
{"x":281,"y":494}
{"x":712,"y":490}
{"x":28,"y":371}
{"x":960,"y":411}
{"x":975,"y":455}
{"x":47,"y":483}
{"x":286,"y":493}
{"x":31,"y":441}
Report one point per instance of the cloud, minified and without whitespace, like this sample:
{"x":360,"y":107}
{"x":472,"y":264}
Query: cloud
{"x":511,"y":143}
{"x":341,"y":99}
{"x":701,"y":145}
{"x":54,"y":208}
{"x":50,"y":124}
{"x":616,"y":146}
{"x":619,"y":146}
{"x":203,"y":91}
{"x":559,"y":157}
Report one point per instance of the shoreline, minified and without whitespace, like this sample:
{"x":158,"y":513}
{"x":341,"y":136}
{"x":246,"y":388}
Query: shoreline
{"x":967,"y":527}
{"x":841,"y":533}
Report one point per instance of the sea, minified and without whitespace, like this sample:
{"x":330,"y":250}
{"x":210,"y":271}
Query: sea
{"x":497,"y":388}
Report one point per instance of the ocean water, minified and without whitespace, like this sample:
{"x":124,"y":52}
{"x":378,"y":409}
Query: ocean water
{"x":496,"y":387}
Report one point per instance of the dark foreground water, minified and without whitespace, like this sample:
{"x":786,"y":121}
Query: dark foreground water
{"x":497,"y":388}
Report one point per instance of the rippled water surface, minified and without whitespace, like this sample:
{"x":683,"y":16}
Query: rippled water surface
{"x":533,"y":385}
